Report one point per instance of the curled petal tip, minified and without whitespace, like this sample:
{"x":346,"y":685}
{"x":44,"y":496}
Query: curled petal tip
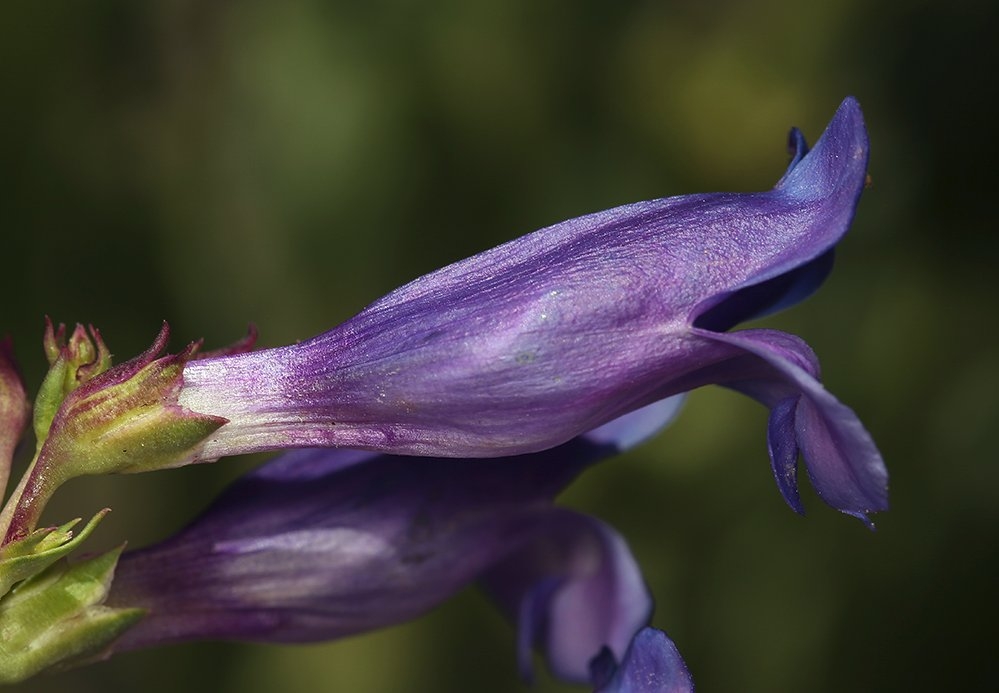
{"x":842,"y":461}
{"x":837,"y":165}
{"x":783,"y":448}
{"x":797,"y":147}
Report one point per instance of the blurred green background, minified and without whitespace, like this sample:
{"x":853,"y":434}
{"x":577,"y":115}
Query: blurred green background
{"x":219,"y":163}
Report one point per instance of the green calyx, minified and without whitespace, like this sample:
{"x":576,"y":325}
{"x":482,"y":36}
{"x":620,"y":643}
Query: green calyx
{"x":51,"y":612}
{"x":95,"y":419}
{"x":58,"y":617}
{"x":133,"y":425}
{"x":89,"y":418}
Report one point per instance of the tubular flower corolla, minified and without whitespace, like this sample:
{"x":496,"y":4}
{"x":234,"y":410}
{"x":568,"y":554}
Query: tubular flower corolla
{"x":532,"y":343}
{"x":320,"y":544}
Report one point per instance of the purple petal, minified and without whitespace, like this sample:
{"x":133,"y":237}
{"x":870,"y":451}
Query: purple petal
{"x":797,"y":147}
{"x":783,"y":446}
{"x":843,"y":463}
{"x":625,"y":432}
{"x":836,"y":166}
{"x":574,"y":590}
{"x":373,"y":544}
{"x":324,"y":543}
{"x":768,"y":297}
{"x":529,"y":344}
{"x":652,"y":665}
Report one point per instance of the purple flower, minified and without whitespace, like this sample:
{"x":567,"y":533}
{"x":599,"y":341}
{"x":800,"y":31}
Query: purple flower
{"x":320,"y":544}
{"x":536,"y":341}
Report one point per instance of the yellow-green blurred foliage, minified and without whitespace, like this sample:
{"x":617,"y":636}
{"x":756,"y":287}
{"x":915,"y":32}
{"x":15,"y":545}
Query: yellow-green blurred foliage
{"x":217,"y":163}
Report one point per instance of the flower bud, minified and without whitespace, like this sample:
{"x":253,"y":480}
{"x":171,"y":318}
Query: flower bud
{"x":70,"y":365}
{"x":13,"y":409}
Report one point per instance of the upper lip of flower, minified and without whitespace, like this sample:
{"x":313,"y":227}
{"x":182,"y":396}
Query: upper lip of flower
{"x":826,"y":183}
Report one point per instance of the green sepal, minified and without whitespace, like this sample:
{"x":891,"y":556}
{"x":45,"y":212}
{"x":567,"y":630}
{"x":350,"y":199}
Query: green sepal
{"x":58,"y":617}
{"x":30,"y":555}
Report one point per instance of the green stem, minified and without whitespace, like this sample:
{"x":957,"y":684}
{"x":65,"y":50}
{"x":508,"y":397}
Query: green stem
{"x":26,"y":503}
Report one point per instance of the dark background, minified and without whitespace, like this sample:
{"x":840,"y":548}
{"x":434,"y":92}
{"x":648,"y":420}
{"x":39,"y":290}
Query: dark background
{"x":217,"y":163}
